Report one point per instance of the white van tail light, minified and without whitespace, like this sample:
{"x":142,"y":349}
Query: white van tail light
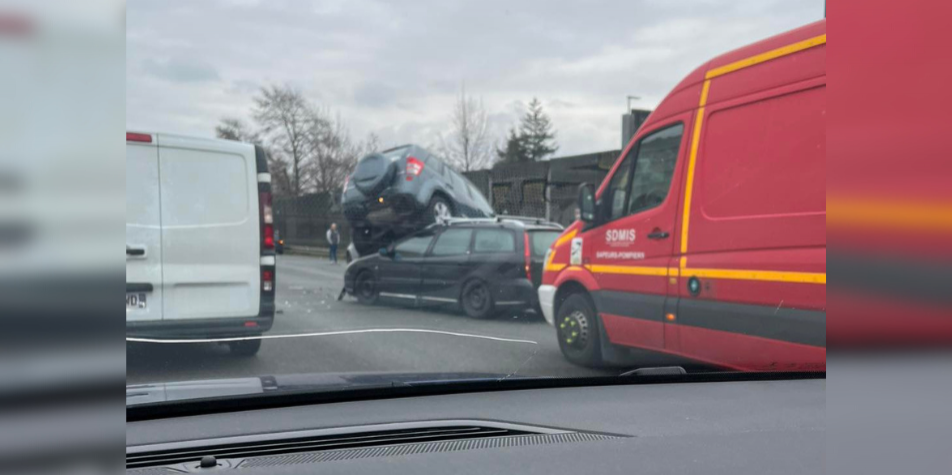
{"x":267,"y":220}
{"x":267,"y":280}
{"x":135,"y":137}
{"x":414,"y":168}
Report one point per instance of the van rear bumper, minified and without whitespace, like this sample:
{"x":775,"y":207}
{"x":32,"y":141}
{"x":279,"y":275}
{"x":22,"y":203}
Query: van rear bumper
{"x":200,"y":328}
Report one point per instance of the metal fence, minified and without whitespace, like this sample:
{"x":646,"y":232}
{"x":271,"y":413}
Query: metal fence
{"x":304,"y":221}
{"x":538,"y":189}
{"x":542,"y":189}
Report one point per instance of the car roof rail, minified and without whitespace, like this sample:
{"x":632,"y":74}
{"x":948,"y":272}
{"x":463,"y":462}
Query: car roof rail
{"x":452,"y":221}
{"x":528,"y":220}
{"x":521,"y":220}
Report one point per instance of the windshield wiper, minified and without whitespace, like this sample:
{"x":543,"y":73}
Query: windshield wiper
{"x":655,"y":371}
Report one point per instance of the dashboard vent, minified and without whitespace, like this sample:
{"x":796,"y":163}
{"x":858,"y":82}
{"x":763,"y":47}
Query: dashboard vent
{"x":232,"y":452}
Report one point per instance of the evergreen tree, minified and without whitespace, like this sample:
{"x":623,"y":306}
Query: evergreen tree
{"x":514,"y":151}
{"x":536,"y":134}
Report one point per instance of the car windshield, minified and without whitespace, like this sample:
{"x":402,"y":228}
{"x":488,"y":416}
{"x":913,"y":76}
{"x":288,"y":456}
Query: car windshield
{"x":365,"y":193}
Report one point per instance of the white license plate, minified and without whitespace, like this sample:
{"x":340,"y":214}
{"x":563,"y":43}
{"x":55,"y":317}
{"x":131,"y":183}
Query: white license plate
{"x":135,"y":301}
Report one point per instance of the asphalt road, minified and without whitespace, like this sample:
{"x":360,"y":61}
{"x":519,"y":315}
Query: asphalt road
{"x":307,"y":303}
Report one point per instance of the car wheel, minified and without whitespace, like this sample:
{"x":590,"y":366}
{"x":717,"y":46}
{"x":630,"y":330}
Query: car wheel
{"x":476,"y":300}
{"x":245,"y":347}
{"x":576,"y":325}
{"x":365,"y":288}
{"x":439,"y":210}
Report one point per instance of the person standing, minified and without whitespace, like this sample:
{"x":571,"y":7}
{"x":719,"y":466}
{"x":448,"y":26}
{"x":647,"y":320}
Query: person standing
{"x":333,"y":238}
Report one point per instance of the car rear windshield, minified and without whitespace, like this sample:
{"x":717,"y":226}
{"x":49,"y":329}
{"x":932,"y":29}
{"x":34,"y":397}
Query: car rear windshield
{"x":541,"y":240}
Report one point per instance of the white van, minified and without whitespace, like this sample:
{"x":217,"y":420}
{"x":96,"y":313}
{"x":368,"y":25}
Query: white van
{"x":199,"y":239}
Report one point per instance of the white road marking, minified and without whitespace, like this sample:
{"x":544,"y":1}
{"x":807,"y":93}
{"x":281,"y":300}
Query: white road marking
{"x":332,"y":333}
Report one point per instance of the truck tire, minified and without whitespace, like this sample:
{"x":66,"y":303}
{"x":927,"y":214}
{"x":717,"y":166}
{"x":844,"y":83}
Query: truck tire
{"x":576,"y":326}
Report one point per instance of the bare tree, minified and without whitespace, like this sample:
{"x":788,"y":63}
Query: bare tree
{"x":326,"y":141}
{"x":371,"y":144}
{"x":309,"y":151}
{"x":468,"y":145}
{"x":231,"y":128}
{"x":285,"y":118}
{"x":236,"y":129}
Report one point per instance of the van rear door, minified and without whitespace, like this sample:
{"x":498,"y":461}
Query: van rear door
{"x":210,"y":229}
{"x":143,"y":230}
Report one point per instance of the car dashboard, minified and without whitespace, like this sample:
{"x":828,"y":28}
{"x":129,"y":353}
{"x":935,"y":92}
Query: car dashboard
{"x":724,"y":427}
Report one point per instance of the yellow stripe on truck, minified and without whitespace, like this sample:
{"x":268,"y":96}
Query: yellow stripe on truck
{"x":629,"y":270}
{"x":889,"y":213}
{"x":564,"y":239}
{"x":764,"y":57}
{"x":761,"y":275}
{"x":692,"y":163}
{"x":734,"y":274}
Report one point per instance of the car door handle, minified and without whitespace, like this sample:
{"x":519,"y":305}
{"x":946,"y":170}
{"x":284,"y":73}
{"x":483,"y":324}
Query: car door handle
{"x":135,"y":251}
{"x":659,"y":235}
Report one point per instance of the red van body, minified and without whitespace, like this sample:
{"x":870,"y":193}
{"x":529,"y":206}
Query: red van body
{"x":710,"y":236}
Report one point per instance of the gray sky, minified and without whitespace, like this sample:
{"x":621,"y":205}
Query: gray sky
{"x":394,"y":68}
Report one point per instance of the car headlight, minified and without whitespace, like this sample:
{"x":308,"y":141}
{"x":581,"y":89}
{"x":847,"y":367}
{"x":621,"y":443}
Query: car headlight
{"x":545,"y":263}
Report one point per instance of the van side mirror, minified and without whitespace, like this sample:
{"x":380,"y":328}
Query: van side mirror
{"x":586,"y":202}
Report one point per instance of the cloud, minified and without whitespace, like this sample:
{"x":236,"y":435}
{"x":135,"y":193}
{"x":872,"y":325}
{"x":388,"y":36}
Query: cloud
{"x":181,"y":71}
{"x":396,"y":68}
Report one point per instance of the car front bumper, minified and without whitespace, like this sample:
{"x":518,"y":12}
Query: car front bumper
{"x":547,"y":302}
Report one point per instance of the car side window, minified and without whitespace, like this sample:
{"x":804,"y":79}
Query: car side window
{"x":415,"y":246}
{"x":453,"y":242}
{"x":617,"y":191}
{"x":494,"y":240}
{"x":654,"y":168}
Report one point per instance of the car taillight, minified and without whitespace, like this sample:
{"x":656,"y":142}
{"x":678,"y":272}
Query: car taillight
{"x":414,"y":168}
{"x":528,"y":259}
{"x":267,"y":280}
{"x":346,"y":182}
{"x":267,"y":220}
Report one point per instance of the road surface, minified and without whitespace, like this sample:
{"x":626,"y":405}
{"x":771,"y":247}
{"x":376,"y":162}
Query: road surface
{"x":307,"y":303}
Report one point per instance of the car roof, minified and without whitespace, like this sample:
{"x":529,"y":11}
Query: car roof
{"x":416,"y":150}
{"x":507,"y":222}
